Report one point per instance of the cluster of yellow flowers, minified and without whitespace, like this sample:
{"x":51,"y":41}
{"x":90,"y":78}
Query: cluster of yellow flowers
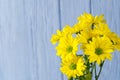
{"x":90,"y":34}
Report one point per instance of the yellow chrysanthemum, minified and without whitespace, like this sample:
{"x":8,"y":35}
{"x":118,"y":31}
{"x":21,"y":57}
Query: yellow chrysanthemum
{"x":99,"y":49}
{"x":84,"y":21}
{"x":73,"y":66}
{"x":117,"y":44}
{"x":101,"y":29}
{"x":56,"y":37}
{"x":85,"y":37}
{"x":78,"y":28}
{"x":67,"y":45}
{"x":87,"y":20}
{"x":67,"y":30}
{"x":99,"y":19}
{"x":115,"y":39}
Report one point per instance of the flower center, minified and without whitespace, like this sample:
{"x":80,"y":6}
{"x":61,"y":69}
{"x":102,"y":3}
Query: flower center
{"x":72,"y":66}
{"x":98,"y":51}
{"x":69,"y":49}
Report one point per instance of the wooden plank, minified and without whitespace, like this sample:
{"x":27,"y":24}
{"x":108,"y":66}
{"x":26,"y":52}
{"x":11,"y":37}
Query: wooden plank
{"x":17,"y":61}
{"x":70,"y":10}
{"x":111,"y":10}
{"x":47,"y":22}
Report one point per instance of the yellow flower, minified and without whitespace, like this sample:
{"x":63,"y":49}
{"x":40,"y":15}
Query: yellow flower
{"x":99,"y":19}
{"x":67,"y":30}
{"x":88,"y":20}
{"x":99,"y":49}
{"x":115,"y":39}
{"x":85,"y":37}
{"x":56,"y":37}
{"x":67,"y":45}
{"x":78,"y":28}
{"x":73,"y":66}
{"x":59,"y":34}
{"x":101,"y":29}
{"x":116,"y":44}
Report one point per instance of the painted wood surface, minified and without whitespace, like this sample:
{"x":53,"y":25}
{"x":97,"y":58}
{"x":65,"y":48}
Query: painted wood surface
{"x":26,"y":27}
{"x":16,"y":57}
{"x":111,"y":10}
{"x":47,"y":22}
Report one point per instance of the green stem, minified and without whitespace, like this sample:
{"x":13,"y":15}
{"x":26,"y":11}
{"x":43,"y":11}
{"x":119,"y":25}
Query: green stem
{"x":100,"y":69}
{"x":92,"y":65}
{"x":97,"y":76}
{"x":95,"y":71}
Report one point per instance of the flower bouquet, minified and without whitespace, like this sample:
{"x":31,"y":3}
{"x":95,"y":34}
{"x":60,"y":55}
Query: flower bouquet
{"x":90,"y":35}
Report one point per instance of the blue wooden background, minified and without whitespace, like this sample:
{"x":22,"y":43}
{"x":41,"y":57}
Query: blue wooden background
{"x":26,"y":27}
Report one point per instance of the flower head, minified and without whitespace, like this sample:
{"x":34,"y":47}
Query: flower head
{"x":115,"y":39}
{"x":88,"y":20}
{"x":73,"y":66}
{"x":99,"y":49}
{"x":59,"y":34}
{"x":101,"y":29}
{"x":56,"y":37}
{"x":67,"y":45}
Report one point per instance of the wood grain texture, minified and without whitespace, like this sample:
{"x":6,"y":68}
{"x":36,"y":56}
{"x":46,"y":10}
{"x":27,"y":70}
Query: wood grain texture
{"x":111,"y":10}
{"x":16,"y":51}
{"x":26,"y":27}
{"x":47,"y":22}
{"x":70,"y":10}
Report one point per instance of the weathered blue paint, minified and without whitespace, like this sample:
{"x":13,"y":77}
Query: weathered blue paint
{"x":16,"y":53}
{"x":47,"y":22}
{"x":26,"y":27}
{"x":111,"y":10}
